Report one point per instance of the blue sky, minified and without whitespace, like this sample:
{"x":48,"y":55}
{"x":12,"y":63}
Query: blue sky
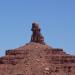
{"x":56,"y":19}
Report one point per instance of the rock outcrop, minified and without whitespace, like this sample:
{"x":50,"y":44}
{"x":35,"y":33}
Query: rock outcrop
{"x":36,"y":36}
{"x":37,"y":58}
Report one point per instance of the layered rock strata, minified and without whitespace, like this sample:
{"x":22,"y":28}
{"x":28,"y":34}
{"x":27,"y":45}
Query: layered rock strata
{"x":37,"y":58}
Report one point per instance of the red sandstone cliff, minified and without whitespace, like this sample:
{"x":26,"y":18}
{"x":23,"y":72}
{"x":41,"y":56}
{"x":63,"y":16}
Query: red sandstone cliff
{"x":37,"y":58}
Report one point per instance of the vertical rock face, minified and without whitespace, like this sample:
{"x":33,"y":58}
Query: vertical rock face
{"x":37,"y":58}
{"x":36,"y":36}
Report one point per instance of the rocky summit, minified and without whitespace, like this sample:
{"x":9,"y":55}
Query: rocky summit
{"x":37,"y":58}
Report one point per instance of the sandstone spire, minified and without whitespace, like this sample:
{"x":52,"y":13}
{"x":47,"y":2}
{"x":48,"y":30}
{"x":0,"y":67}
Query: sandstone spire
{"x":36,"y":34}
{"x":37,"y":59}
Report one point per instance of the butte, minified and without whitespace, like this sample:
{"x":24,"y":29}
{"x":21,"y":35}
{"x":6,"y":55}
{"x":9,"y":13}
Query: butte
{"x":37,"y":58}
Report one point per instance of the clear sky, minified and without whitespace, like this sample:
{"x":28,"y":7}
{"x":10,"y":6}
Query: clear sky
{"x":56,"y":19}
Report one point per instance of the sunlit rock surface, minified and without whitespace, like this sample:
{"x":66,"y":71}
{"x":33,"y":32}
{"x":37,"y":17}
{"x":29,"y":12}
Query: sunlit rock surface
{"x":37,"y":58}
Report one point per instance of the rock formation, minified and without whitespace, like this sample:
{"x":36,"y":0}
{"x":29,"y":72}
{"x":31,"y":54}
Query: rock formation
{"x":37,"y":58}
{"x":36,"y":36}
